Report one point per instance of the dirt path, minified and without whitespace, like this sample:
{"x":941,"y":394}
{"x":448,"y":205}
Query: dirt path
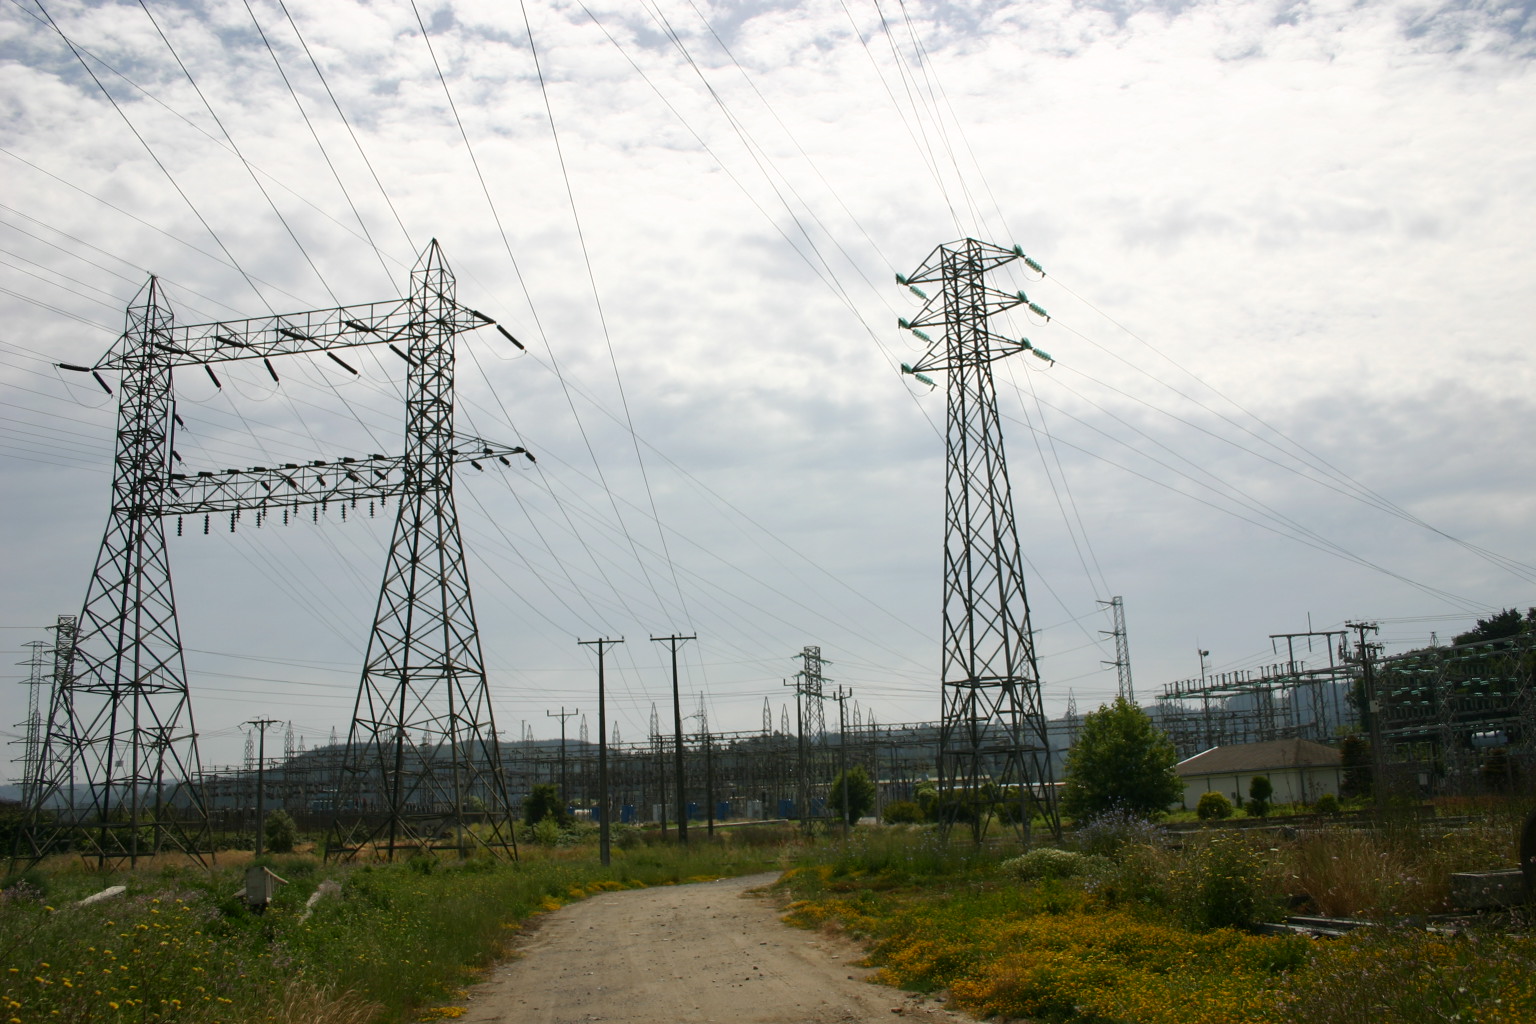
{"x":714,"y":951}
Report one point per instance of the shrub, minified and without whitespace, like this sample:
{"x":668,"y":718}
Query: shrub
{"x":543,"y":801}
{"x":1047,"y":862}
{"x":1111,"y":833}
{"x":1224,"y":884}
{"x":903,"y":812}
{"x":1213,"y":805}
{"x":1326,"y":804}
{"x":281,"y":831}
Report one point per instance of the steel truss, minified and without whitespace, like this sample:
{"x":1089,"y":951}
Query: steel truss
{"x":993,"y":746}
{"x":120,"y":757}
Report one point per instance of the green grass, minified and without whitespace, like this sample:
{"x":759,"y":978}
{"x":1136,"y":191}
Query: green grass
{"x":1155,"y":933}
{"x":398,"y":942}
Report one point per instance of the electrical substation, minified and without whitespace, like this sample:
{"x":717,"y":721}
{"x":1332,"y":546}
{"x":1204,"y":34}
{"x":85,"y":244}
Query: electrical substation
{"x":111,"y":768}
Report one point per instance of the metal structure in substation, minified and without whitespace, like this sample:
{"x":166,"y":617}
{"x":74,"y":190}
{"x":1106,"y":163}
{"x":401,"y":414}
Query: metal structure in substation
{"x":120,"y":765}
{"x":993,"y":738}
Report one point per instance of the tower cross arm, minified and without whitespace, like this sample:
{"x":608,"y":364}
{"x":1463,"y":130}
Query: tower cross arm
{"x":343,"y":479}
{"x":941,"y":357}
{"x":318,"y":330}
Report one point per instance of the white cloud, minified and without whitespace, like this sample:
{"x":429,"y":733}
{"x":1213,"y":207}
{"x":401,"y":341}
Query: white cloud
{"x":1322,"y":211}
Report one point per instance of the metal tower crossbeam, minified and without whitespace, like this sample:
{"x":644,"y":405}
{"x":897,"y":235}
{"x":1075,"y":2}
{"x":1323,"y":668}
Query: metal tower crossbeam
{"x":286,"y":334}
{"x":343,"y":479}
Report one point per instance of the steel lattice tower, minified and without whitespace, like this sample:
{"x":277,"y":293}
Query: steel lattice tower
{"x":120,"y":724}
{"x":1122,"y":660}
{"x":424,"y":672}
{"x":993,"y":744}
{"x":120,"y":756}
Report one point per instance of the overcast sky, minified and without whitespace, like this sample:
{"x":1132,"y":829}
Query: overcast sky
{"x":1288,"y":250}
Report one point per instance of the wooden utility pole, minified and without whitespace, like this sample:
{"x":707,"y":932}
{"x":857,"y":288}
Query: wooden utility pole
{"x":562,"y":715}
{"x":261,"y":779}
{"x":677,"y":726}
{"x":604,"y":830}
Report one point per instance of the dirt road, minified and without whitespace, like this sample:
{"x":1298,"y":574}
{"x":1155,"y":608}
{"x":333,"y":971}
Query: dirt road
{"x":714,"y":951}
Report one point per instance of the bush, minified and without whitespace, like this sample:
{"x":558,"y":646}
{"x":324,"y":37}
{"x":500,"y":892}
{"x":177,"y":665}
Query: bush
{"x":903,"y":812}
{"x":1213,"y":805}
{"x":1326,"y":804}
{"x":543,"y":802}
{"x":1113,"y":832}
{"x":281,"y":832}
{"x":1224,"y":884}
{"x":1047,"y":862}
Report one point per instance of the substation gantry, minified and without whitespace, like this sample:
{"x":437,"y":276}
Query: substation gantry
{"x":993,"y":744}
{"x":120,"y":769}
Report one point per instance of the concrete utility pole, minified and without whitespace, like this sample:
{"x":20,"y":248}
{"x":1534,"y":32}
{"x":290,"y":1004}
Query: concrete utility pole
{"x":562,"y":715}
{"x":604,"y":831}
{"x":677,"y":728}
{"x":261,"y":777}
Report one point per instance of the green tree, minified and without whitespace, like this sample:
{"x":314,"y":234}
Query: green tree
{"x":281,"y":831}
{"x":543,"y":801}
{"x":861,"y":793}
{"x":1120,"y":760}
{"x":1506,"y":623}
{"x":1260,"y":789}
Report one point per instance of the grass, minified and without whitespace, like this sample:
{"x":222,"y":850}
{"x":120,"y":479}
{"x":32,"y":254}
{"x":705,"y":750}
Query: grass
{"x":399,"y":941}
{"x":1134,"y":929}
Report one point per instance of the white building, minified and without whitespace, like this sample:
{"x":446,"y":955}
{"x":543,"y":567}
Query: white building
{"x":1299,"y":770}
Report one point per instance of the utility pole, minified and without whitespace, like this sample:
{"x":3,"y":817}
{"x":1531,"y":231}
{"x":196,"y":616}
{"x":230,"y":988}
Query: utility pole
{"x":709,"y":767}
{"x":1205,"y":698}
{"x":802,"y":789}
{"x":994,"y":729}
{"x":841,"y":696}
{"x":1122,"y":660}
{"x":1366,"y":653}
{"x":603,"y":829}
{"x":261,"y":777}
{"x":677,"y":728}
{"x":562,"y":715}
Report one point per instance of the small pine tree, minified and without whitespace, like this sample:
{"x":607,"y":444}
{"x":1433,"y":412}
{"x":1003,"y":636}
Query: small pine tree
{"x":1259,"y":791}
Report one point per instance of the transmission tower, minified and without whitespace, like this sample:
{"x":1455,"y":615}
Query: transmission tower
{"x":424,"y":671}
{"x":1122,"y":660}
{"x":39,"y":664}
{"x":121,"y":730}
{"x":993,"y":735}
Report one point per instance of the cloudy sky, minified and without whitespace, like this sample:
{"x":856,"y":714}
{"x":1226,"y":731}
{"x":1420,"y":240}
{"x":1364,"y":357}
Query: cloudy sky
{"x":1288,"y":255}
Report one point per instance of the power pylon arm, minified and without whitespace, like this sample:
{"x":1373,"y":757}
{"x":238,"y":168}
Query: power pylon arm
{"x":320,"y":330}
{"x":344,"y":479}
